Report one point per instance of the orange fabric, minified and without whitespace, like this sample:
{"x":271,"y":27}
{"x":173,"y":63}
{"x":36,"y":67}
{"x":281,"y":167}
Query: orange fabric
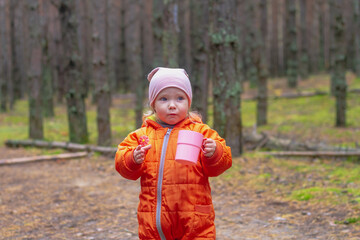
{"x":187,"y":211}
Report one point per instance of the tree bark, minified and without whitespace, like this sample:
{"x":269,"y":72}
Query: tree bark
{"x":84,"y":14}
{"x":170,"y":35}
{"x":47,"y":80}
{"x":185,"y":48}
{"x":291,"y":44}
{"x":74,"y":84}
{"x":147,"y":36}
{"x":158,"y":25}
{"x":356,"y":5}
{"x":261,"y":65}
{"x":5,"y":58}
{"x":226,"y":87}
{"x":303,"y":56}
{"x":199,"y":74}
{"x":35,"y":71}
{"x":133,"y":56}
{"x":102,"y":84}
{"x":339,"y":61}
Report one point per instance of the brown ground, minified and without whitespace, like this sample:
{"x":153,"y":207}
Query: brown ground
{"x":87,"y":199}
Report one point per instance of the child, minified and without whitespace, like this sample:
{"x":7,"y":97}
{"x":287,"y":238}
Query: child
{"x":175,"y":199}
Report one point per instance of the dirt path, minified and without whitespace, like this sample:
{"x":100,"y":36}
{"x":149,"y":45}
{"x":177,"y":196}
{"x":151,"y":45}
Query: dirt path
{"x":87,"y":199}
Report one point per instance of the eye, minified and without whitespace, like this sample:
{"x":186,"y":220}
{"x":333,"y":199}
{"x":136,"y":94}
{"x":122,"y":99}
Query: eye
{"x":163,"y":99}
{"x":181,"y":98}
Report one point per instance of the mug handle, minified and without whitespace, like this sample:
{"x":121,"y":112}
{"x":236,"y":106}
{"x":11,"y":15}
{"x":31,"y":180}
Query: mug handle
{"x":202,"y":145}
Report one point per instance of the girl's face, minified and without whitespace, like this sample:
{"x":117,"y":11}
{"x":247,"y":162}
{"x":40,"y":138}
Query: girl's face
{"x":171,"y":105}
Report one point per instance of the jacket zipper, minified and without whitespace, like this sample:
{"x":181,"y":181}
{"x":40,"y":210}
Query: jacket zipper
{"x":159,"y":184}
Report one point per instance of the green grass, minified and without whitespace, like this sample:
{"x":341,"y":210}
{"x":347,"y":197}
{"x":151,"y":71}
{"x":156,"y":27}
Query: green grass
{"x":308,"y":118}
{"x":14,"y":124}
{"x":353,"y":220}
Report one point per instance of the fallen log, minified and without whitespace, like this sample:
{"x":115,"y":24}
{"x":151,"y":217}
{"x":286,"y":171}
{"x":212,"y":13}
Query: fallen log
{"x":44,"y":158}
{"x":255,"y":141}
{"x":62,"y":145}
{"x":314,"y":154}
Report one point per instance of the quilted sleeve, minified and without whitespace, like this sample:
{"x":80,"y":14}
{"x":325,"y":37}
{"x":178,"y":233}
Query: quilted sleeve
{"x":221,"y":160}
{"x":124,"y":158}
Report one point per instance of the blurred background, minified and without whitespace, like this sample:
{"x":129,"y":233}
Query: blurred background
{"x":77,"y":68}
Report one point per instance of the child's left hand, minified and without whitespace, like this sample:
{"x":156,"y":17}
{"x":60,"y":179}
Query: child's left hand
{"x":209,"y":147}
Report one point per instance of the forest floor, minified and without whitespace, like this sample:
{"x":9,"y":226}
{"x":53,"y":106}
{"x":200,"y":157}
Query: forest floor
{"x":260,"y":197}
{"x":87,"y":199}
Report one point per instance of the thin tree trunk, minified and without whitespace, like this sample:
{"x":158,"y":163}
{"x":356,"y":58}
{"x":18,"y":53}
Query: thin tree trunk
{"x":84,"y":13}
{"x":158,"y":26}
{"x":226,"y":87}
{"x":291,"y":45}
{"x":262,"y":66}
{"x":185,"y":59}
{"x":101,"y":80}
{"x":113,"y":42}
{"x":356,"y":5}
{"x":5,"y":58}
{"x":303,"y":57}
{"x":15,"y":65}
{"x":147,"y":36}
{"x":35,"y":71}
{"x":133,"y":56}
{"x":339,"y":61}
{"x":170,"y":38}
{"x":74,"y":85}
{"x":199,"y":74}
{"x":47,"y":80}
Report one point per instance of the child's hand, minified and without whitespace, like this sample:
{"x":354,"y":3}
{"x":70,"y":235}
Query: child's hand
{"x":140,"y":152}
{"x":209,"y":147}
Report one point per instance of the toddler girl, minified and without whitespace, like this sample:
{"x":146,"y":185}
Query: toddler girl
{"x":175,"y":199}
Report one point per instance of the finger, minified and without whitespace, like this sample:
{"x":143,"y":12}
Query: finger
{"x":147,"y":147}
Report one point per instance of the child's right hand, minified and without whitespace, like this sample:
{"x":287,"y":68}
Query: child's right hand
{"x":140,"y":152}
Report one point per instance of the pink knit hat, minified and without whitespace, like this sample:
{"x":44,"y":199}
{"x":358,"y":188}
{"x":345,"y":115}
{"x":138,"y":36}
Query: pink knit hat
{"x":161,"y":78}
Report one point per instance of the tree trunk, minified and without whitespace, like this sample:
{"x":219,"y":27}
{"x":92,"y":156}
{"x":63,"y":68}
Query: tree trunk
{"x":261,"y":65}
{"x":339,"y":61}
{"x":113,"y":42}
{"x":226,"y":87}
{"x":74,"y":84}
{"x":101,"y":80}
{"x":199,"y":74}
{"x":147,"y":36}
{"x":5,"y":58}
{"x":158,"y":26}
{"x":185,"y":50}
{"x":251,"y":45}
{"x":291,"y":45}
{"x":170,"y":36}
{"x":356,"y":5}
{"x":47,"y":80}
{"x":15,"y":88}
{"x":133,"y":56}
{"x":303,"y":57}
{"x":281,"y":36}
{"x":17,"y":49}
{"x":35,"y":71}
{"x":56,"y":52}
{"x":84,"y":13}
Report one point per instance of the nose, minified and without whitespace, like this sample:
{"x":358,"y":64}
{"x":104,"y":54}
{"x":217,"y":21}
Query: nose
{"x":172,"y":105}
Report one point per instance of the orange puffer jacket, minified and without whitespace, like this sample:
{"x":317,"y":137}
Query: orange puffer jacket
{"x":175,"y":199}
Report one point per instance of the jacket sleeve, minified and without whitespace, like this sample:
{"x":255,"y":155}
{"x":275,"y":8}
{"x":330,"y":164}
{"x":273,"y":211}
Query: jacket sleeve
{"x":124,"y":158}
{"x":221,"y":160}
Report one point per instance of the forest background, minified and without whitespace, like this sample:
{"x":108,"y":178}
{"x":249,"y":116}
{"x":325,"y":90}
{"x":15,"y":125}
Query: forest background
{"x":89,"y":52}
{"x":284,"y":71}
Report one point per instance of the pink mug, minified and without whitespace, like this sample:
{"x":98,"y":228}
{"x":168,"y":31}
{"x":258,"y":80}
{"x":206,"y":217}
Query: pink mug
{"x":188,"y":148}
